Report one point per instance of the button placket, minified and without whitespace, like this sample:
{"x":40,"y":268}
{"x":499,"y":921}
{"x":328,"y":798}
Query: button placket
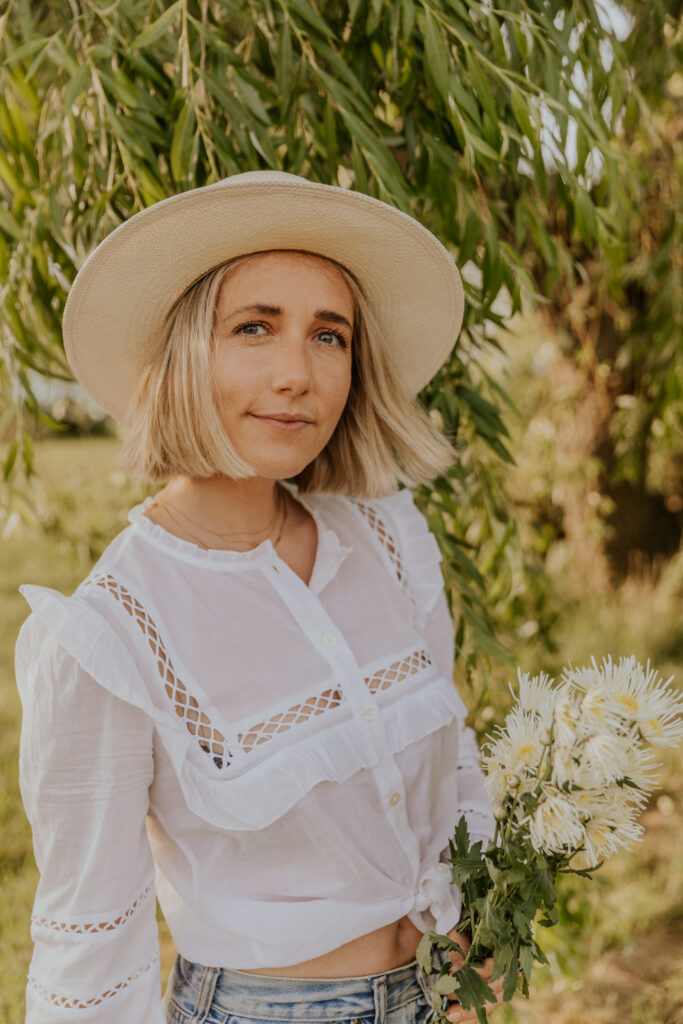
{"x":309,"y":613}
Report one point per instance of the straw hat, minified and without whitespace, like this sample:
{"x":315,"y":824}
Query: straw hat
{"x":121,"y":296}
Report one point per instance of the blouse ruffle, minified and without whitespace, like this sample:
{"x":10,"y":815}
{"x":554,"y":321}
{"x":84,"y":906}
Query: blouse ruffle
{"x":266,"y":790}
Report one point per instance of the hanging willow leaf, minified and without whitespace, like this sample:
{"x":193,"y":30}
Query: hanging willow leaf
{"x":158,"y":28}
{"x":436,"y":53}
{"x":181,"y":143}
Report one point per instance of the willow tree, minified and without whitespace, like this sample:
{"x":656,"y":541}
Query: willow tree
{"x":498,"y":126}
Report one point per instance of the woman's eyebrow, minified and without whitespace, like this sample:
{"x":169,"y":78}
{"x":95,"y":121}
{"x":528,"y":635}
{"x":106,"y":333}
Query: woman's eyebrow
{"x":332,"y":317}
{"x":320,"y":314}
{"x":255,"y":308}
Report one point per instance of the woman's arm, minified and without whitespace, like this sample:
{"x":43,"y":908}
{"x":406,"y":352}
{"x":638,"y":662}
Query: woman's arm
{"x":85,"y":769}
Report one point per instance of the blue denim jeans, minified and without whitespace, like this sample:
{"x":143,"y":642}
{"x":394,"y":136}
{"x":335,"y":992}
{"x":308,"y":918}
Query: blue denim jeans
{"x":214,"y":995}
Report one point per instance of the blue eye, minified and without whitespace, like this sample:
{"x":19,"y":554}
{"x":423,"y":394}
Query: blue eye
{"x":331,"y":338}
{"x":251,"y":329}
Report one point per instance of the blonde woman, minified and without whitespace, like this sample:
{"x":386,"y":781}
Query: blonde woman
{"x":247,"y":707}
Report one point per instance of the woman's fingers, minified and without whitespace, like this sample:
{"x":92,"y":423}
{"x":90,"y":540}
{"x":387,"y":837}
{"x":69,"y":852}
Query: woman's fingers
{"x":456,"y":959}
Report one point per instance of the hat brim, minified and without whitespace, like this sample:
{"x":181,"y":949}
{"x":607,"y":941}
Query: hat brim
{"x":118,"y":304}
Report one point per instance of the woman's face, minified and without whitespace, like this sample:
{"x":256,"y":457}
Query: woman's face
{"x":282,"y":365}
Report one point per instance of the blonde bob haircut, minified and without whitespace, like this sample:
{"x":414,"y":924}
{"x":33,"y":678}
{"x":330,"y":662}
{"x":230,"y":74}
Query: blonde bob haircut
{"x":383,"y":438}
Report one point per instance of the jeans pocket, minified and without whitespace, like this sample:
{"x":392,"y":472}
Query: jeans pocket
{"x":174,"y":1014}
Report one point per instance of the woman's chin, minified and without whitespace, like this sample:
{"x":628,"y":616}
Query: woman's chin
{"x":279,"y":469}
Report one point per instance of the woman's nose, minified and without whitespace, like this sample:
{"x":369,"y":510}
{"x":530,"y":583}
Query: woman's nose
{"x":290,"y":368}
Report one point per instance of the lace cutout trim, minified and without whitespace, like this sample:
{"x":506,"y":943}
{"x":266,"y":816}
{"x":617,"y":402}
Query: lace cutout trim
{"x":387,"y":541}
{"x":223,"y":751}
{"x":184,"y":704}
{"x":328,"y":699}
{"x":398,"y":671}
{"x":261,"y":732}
{"x":92,"y":928}
{"x":73,"y":1003}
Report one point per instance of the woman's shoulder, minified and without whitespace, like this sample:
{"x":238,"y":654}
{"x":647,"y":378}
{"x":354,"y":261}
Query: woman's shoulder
{"x":78,"y":628}
{"x":394,"y":518}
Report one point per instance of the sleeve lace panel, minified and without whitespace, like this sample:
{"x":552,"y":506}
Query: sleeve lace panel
{"x":85,"y":769}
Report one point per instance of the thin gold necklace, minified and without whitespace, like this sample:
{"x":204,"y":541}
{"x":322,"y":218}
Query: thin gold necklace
{"x":242,"y":538}
{"x":282,"y":509}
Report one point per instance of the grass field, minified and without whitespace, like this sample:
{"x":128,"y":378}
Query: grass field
{"x":616,"y":957}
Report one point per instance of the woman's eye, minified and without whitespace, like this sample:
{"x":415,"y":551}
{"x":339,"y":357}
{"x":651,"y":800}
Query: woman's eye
{"x":331,"y":338}
{"x":251,"y":329}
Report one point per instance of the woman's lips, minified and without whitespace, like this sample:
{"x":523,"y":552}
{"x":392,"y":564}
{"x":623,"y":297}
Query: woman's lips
{"x":286,"y":425}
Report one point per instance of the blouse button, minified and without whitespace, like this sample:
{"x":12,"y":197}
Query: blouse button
{"x":369,"y":714}
{"x":394,"y":799}
{"x":329,"y":639}
{"x":442,"y":868}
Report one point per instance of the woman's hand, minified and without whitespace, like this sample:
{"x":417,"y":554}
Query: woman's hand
{"x":454,"y":1011}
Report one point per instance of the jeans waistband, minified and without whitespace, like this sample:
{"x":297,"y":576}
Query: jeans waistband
{"x":275,"y":997}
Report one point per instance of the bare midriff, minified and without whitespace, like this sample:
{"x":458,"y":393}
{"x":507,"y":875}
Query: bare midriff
{"x":382,"y":950}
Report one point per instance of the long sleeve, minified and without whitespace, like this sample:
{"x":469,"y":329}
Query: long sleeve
{"x":85,"y":770}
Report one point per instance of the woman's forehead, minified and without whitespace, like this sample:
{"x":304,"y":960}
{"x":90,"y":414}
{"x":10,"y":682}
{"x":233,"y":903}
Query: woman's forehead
{"x":282,"y":269}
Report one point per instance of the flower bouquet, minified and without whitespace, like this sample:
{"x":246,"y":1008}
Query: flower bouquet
{"x":568,"y":774}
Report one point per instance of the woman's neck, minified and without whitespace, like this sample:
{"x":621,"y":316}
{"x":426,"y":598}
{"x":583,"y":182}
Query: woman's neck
{"x":223,"y":505}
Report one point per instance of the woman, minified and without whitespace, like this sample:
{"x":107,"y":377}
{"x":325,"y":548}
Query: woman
{"x":247,"y":707}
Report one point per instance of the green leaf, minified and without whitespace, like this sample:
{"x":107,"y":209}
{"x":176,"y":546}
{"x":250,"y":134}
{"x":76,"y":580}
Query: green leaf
{"x":27,"y":451}
{"x":181,"y":143}
{"x":76,"y":86}
{"x":250,"y":97}
{"x":26,"y":50}
{"x":285,"y":64}
{"x":521,"y":112}
{"x":446,"y":984}
{"x":511,"y":980}
{"x":503,"y":953}
{"x":10,"y":459}
{"x":158,"y":28}
{"x":436,"y":53}
{"x":9,"y":225}
{"x":310,"y":16}
{"x":473,"y":991}
{"x":481,"y":86}
{"x":423,"y":954}
{"x":526,"y":959}
{"x":497,"y":876}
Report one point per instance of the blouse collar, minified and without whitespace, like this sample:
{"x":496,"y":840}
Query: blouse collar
{"x":330,"y":552}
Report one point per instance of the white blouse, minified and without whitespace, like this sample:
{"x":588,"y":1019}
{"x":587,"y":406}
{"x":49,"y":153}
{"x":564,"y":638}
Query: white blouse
{"x":282,"y":764}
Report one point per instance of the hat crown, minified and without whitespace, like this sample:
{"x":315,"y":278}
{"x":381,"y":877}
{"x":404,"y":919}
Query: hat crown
{"x":265,"y":177}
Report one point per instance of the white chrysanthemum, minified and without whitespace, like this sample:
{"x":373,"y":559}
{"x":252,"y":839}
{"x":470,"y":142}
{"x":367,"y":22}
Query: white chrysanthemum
{"x":607,"y":758}
{"x":591,"y":802}
{"x":612,"y":801}
{"x":585,"y":677}
{"x":565,"y":764}
{"x":661,"y":733}
{"x":524,"y":733}
{"x":637,"y":695}
{"x":565,"y":716}
{"x":536,"y":695}
{"x":643,"y":772}
{"x":555,"y":825}
{"x":497,"y":765}
{"x":606,"y":834}
{"x":596,"y":713}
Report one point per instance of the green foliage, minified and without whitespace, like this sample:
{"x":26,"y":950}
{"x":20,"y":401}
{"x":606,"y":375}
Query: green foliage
{"x":503,"y":892}
{"x":458,"y":113}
